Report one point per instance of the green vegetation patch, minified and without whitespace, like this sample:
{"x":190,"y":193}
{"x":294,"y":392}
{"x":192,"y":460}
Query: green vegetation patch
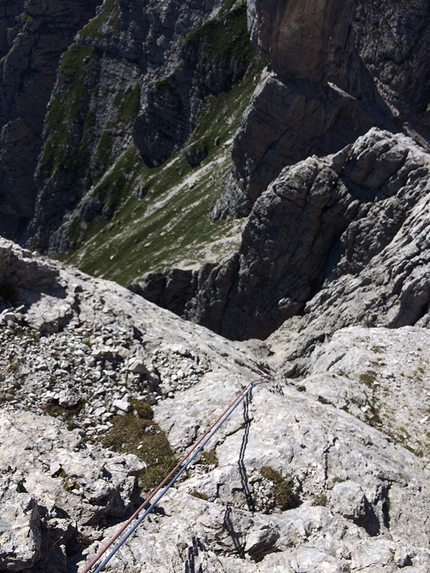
{"x":128,"y":104}
{"x":368,"y":378}
{"x":108,"y":17}
{"x":320,"y":499}
{"x":285,"y":493}
{"x":68,"y":415}
{"x":199,"y":495}
{"x":227,"y":37}
{"x":209,"y":459}
{"x":137,"y":433}
{"x":171,"y":223}
{"x":66,"y":123}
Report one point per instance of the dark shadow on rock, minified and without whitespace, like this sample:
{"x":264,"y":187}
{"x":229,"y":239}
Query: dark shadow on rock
{"x":241,"y":462}
{"x":369,"y":521}
{"x":192,"y":552}
{"x":236,"y":536}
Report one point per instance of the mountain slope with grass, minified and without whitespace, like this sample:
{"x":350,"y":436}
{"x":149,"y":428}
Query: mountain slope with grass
{"x":140,"y":152}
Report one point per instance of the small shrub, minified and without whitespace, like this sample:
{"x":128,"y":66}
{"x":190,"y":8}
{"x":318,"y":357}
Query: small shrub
{"x":14,"y":366}
{"x":209,"y":459}
{"x":142,"y":409}
{"x":320,"y":499}
{"x":199,"y":495}
{"x":285,"y":495}
{"x":55,"y":410}
{"x":83,"y":540}
{"x":373,"y":417}
{"x":368,"y":378}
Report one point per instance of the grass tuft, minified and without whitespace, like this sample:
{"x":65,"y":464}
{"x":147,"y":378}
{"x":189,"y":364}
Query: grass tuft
{"x":137,"y":433}
{"x":285,"y":493}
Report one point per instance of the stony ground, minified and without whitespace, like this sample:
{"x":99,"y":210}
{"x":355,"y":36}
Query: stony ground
{"x":324,"y":472}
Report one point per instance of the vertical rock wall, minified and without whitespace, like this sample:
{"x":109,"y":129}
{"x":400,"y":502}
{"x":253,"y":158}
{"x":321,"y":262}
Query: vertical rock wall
{"x":33,"y":35}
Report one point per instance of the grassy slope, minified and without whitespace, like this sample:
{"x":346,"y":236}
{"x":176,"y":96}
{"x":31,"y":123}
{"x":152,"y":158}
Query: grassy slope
{"x":170,"y":225}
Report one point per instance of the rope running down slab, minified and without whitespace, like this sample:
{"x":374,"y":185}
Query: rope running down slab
{"x":168,"y":481}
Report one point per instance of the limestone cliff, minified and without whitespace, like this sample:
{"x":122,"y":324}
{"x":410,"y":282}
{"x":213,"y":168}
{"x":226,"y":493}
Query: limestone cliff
{"x":324,"y":228}
{"x":338,"y":68}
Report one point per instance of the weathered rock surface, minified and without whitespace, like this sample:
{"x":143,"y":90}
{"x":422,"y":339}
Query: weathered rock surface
{"x":354,"y":487}
{"x":286,"y":123}
{"x":379,"y":375}
{"x":89,"y":346}
{"x":53,"y":487}
{"x":33,"y":35}
{"x":358,"y":69}
{"x":343,"y":239}
{"x":20,"y":536}
{"x":279,"y":30}
{"x":328,"y":471}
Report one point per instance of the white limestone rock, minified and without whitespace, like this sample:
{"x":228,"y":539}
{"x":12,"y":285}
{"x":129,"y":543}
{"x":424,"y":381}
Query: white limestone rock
{"x":20,"y":536}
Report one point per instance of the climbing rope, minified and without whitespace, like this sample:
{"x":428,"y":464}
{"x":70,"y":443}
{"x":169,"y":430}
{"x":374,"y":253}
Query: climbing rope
{"x":168,"y":482}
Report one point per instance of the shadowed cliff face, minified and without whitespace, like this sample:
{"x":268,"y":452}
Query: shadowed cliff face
{"x":33,"y":35}
{"x":339,"y":68}
{"x":307,"y":39}
{"x":137,"y":78}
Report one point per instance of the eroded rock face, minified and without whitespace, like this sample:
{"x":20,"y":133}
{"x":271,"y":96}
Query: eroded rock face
{"x":338,"y":68}
{"x":347,"y":223}
{"x":52,"y":487}
{"x":31,"y":48}
{"x":286,"y":123}
{"x":20,"y":536}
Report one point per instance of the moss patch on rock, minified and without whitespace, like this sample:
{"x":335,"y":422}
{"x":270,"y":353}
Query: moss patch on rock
{"x":137,"y":433}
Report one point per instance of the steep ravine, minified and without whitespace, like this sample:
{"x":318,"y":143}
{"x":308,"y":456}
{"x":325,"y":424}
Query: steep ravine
{"x":140,"y":81}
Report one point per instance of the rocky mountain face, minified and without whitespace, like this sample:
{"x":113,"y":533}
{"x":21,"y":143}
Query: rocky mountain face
{"x":325,"y":232}
{"x":136,"y":79}
{"x":330,"y":165}
{"x":326,"y":471}
{"x":33,"y":35}
{"x":128,"y":94}
{"x":364,"y":65}
{"x":320,"y":289}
